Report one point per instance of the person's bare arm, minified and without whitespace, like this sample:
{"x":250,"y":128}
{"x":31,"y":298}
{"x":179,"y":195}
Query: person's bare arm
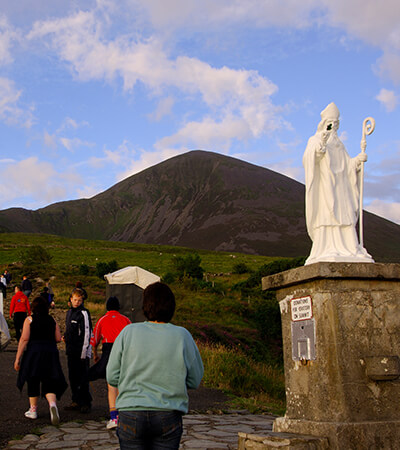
{"x":23,"y":342}
{"x":58,"y":333}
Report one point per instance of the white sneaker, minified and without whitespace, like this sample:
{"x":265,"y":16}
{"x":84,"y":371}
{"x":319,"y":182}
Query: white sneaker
{"x":31,"y":414}
{"x":112,"y":423}
{"x":54,"y":416}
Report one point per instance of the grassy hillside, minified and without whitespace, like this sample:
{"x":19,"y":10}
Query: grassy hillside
{"x":229,"y":323}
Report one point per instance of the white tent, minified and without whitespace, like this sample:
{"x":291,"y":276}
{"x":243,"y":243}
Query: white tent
{"x":4,"y":333}
{"x":132,"y":275}
{"x":127,"y":285}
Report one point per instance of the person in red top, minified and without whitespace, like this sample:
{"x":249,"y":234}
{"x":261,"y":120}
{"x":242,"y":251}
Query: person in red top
{"x":106,"y":331}
{"x":20,"y":307}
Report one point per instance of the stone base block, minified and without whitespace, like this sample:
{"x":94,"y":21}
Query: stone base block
{"x":284,"y":441}
{"x":346,"y":435}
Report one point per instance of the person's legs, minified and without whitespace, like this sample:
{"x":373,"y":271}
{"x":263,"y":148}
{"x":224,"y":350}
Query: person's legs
{"x":33,"y":394}
{"x":85,"y":398}
{"x":112,"y":397}
{"x":52,"y":401}
{"x":74,"y":377}
{"x":153,"y":430}
{"x":132,"y":430}
{"x":167,"y":429}
{"x":49,"y":389}
{"x":78,"y":373}
{"x":19,"y":318}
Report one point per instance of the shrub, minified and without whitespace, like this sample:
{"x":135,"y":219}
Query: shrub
{"x":235,"y":372}
{"x":240,"y":268}
{"x":35,"y":256}
{"x":188,"y":266}
{"x":84,"y":269}
{"x":168,"y":278}
{"x":103,"y":268}
{"x":279,"y":265}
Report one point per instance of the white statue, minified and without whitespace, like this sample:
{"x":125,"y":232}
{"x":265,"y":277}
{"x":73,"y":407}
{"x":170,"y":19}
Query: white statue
{"x":332,"y":194}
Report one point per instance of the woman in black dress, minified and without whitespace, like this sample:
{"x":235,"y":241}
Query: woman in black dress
{"x":40,"y":364}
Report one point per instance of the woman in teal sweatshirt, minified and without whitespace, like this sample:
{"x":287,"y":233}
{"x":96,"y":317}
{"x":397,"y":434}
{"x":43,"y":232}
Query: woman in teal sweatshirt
{"x":153,"y":364}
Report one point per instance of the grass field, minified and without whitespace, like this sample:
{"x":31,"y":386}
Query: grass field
{"x":228,"y":325}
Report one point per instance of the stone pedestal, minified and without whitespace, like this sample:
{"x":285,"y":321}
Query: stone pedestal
{"x":349,"y":390}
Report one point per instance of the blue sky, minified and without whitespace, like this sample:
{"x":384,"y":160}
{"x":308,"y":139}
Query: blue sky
{"x":94,"y":91}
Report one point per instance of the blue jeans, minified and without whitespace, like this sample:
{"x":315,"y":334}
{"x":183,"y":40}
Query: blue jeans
{"x":149,"y":429}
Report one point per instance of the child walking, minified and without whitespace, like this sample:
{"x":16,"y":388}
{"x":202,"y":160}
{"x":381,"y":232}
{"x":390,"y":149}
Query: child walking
{"x":106,"y":331}
{"x":20,"y":308}
{"x":78,"y":349}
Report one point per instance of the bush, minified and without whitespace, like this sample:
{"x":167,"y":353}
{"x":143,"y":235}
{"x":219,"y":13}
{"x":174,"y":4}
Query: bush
{"x":240,"y":268}
{"x":279,"y":265}
{"x":84,"y":269}
{"x":103,"y":268}
{"x":35,"y":256}
{"x":188,"y":266}
{"x":168,"y":278}
{"x":235,"y":372}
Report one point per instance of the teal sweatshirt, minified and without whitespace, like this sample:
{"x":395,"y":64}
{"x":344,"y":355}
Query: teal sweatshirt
{"x":152,"y":365}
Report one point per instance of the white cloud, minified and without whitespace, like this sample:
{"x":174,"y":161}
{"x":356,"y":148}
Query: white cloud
{"x":388,"y":210}
{"x":174,"y":14}
{"x":388,"y":99}
{"x":146,"y":160}
{"x":164,"y":108}
{"x":30,"y":178}
{"x":70,"y":123}
{"x":371,"y":21}
{"x":388,"y":66}
{"x":87,"y":191}
{"x":50,"y":140}
{"x":207,"y":134}
{"x":7,"y":36}
{"x":11,"y":112}
{"x":234,"y":97}
{"x":74,"y":143}
{"x":122,"y":156}
{"x":286,"y":168}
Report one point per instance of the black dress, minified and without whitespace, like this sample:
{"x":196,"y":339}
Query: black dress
{"x":41,"y":359}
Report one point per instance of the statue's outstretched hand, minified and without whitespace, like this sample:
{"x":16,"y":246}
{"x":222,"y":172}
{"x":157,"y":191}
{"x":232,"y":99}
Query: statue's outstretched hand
{"x":321,"y":149}
{"x":324,"y":138}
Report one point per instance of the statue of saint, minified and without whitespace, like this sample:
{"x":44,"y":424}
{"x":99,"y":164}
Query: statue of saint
{"x":332,"y":194}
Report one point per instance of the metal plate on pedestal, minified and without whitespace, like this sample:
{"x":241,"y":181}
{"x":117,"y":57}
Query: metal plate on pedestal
{"x":303,"y":340}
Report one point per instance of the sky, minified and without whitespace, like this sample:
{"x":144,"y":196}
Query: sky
{"x":94,"y":91}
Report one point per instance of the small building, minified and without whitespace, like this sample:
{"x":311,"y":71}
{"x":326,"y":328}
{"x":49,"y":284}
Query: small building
{"x":127,"y":285}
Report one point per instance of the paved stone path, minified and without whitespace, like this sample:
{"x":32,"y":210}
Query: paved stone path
{"x":201,"y":431}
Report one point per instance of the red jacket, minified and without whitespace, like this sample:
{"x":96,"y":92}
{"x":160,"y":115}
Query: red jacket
{"x":108,"y":327}
{"x":19,"y":303}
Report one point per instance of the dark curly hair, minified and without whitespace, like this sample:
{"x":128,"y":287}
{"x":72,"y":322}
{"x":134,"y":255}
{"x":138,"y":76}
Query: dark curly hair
{"x":158,"y":302}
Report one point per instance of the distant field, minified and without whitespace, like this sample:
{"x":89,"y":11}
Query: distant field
{"x":228,"y":324}
{"x":155,"y":258}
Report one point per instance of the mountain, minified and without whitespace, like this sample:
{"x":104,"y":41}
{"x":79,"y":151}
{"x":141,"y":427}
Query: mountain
{"x":200,"y":200}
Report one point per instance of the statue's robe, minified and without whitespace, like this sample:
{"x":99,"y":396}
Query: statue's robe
{"x":332,"y":201}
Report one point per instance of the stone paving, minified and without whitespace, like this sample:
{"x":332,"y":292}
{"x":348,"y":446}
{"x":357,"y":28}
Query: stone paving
{"x":201,"y":431}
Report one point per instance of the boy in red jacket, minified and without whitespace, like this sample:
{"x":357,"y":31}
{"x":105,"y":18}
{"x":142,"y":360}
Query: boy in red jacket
{"x":20,"y":307}
{"x":106,"y":331}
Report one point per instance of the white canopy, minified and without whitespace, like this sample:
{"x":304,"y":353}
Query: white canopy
{"x":4,"y":333}
{"x":132,"y":275}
